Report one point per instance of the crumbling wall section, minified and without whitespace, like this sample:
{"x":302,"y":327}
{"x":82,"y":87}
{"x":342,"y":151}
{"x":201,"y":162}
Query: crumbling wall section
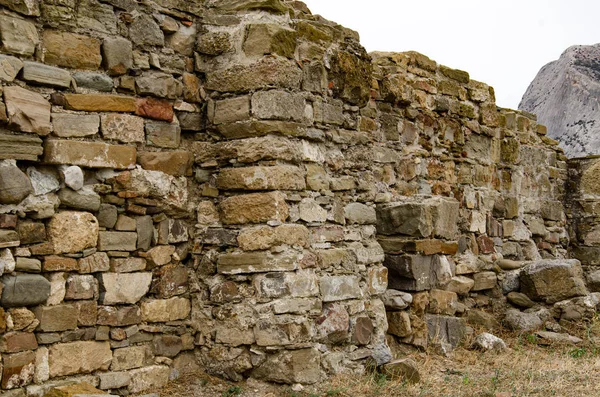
{"x":231,"y":185}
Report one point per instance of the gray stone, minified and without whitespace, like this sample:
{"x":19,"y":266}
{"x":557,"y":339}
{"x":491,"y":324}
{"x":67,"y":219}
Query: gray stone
{"x":486,"y":341}
{"x":166,"y":135}
{"x":553,"y":280}
{"x":519,"y":299}
{"x":484,"y":280}
{"x":549,"y":338}
{"x":161,"y":85}
{"x":14,"y":184}
{"x":145,"y":31}
{"x":83,"y":199}
{"x":124,"y":287}
{"x":403,"y":369}
{"x":114,"y":380}
{"x":183,"y":40}
{"x":25,"y":7}
{"x":18,"y":35}
{"x":38,"y":73}
{"x":24,"y":290}
{"x":9,"y":67}
{"x":107,"y":216}
{"x":336,"y":288}
{"x":295,"y":366}
{"x":28,"y":265}
{"x":93,"y":81}
{"x":360,"y":213}
{"x":145,"y":232}
{"x":519,"y":321}
{"x":117,"y":55}
{"x":278,"y":105}
{"x":42,"y":182}
{"x":73,"y":178}
{"x":396,"y":300}
{"x":445,"y":329}
{"x":117,"y":241}
{"x":68,"y":125}
{"x":81,"y":287}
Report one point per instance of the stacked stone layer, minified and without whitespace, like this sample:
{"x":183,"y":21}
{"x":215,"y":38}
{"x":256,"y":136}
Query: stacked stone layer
{"x":238,"y":186}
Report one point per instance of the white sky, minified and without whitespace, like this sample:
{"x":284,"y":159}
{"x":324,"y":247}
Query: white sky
{"x":503,"y":43}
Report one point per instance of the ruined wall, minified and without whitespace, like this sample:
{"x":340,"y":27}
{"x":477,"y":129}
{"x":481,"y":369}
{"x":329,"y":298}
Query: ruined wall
{"x":219,"y":184}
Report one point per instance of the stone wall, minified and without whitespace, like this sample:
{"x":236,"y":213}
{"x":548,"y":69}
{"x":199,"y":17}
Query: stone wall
{"x":231,"y":185}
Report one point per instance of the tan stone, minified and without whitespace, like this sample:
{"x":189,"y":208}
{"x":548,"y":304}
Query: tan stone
{"x":78,"y":358}
{"x":257,"y":262}
{"x":74,"y":390}
{"x":27,"y":110}
{"x":124,"y":287}
{"x":123,"y":128}
{"x":71,"y":232}
{"x":160,"y":255}
{"x":71,"y":50}
{"x":163,"y":310}
{"x":89,"y":154}
{"x":68,"y":125}
{"x":100,"y":103}
{"x":55,"y":263}
{"x":442,"y":302}
{"x":129,"y":358}
{"x":19,"y":36}
{"x":265,"y":237}
{"x":152,"y":377}
{"x":173,"y":163}
{"x":254,"y":208}
{"x":281,"y":177}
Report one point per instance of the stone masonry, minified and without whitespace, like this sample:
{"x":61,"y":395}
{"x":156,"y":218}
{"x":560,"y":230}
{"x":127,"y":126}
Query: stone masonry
{"x":237,"y":186}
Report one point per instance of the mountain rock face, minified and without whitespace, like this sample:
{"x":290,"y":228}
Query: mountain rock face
{"x":565,"y":96}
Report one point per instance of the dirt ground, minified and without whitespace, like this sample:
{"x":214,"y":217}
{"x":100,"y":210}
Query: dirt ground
{"x":526,"y":368}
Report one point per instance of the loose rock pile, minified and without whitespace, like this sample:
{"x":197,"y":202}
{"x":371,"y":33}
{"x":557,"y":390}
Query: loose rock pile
{"x":238,"y":186}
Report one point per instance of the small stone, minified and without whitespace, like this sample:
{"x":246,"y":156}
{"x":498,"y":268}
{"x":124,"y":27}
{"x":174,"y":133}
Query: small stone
{"x":14,"y":184}
{"x":152,"y":377}
{"x":124,"y":287}
{"x":486,"y":341}
{"x":107,"y":216}
{"x":118,"y":55}
{"x":172,"y":163}
{"x":19,"y":36}
{"x":166,"y":135}
{"x":81,"y":287}
{"x":403,"y":369}
{"x":519,"y":321}
{"x":93,"y":81}
{"x":73,"y":178}
{"x":311,"y":211}
{"x":548,"y":338}
{"x":117,"y":241}
{"x":254,"y":208}
{"x":95,"y":263}
{"x":484,"y":280}
{"x":519,"y":299}
{"x":9,"y":67}
{"x":164,"y":310}
{"x":145,"y":31}
{"x":85,"y":199}
{"x":161,"y":85}
{"x":360,"y":213}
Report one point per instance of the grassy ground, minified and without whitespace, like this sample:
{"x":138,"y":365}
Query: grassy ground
{"x":525,"y":369}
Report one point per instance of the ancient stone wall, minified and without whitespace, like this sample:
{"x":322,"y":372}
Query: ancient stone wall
{"x":233,"y":185}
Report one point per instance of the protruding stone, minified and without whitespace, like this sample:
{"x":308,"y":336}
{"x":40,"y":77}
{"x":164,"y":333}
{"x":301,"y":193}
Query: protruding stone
{"x":262,"y":39}
{"x":282,"y":177}
{"x":78,"y":358}
{"x":146,"y":378}
{"x":14,"y":184}
{"x":28,"y":111}
{"x":73,"y":178}
{"x":553,"y":280}
{"x":254,"y":208}
{"x":403,"y":369}
{"x":93,"y":81}
{"x":38,"y":73}
{"x":291,"y":366}
{"x":24,"y":290}
{"x":72,"y":232}
{"x":71,"y":50}
{"x":123,"y":128}
{"x":124,"y":287}
{"x":171,"y":163}
{"x":118,"y":55}
{"x":164,"y":310}
{"x":145,"y":31}
{"x":9,"y":67}
{"x":19,"y":36}
{"x":89,"y":154}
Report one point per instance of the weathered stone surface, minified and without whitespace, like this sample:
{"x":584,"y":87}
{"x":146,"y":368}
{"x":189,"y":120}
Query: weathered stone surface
{"x":461,"y":285}
{"x":519,"y":321}
{"x":334,"y":323}
{"x":152,"y":377}
{"x":20,"y":147}
{"x":93,"y":81}
{"x":254,"y":208}
{"x":311,"y":211}
{"x":73,"y":390}
{"x":38,"y":73}
{"x":24,"y":290}
{"x":268,"y":38}
{"x":18,"y":369}
{"x":117,"y":55}
{"x":278,"y":105}
{"x":43,"y":182}
{"x":163,"y":310}
{"x":553,"y":280}
{"x":124,"y":287}
{"x":519,"y":299}
{"x":145,"y":31}
{"x":160,"y":255}
{"x":445,"y":329}
{"x":25,"y":7}
{"x":100,"y":103}
{"x":19,"y":36}
{"x":56,"y":318}
{"x":55,"y":263}
{"x":486,"y":341}
{"x":66,"y":125}
{"x":78,"y":358}
{"x":405,"y":369}
{"x":360,"y":213}
{"x":9,"y":67}
{"x":123,"y":128}
{"x":265,"y":237}
{"x":81,"y":287}
{"x":167,"y":135}
{"x":71,"y":50}
{"x":257,"y":262}
{"x":295,"y":366}
{"x":172,"y":163}
{"x":85,"y":199}
{"x":231,"y":110}
{"x":160,"y":85}
{"x":281,"y":177}
{"x":267,"y":72}
{"x":72,"y":232}
{"x":89,"y":154}
{"x":119,"y":316}
{"x":28,"y":265}
{"x":399,"y":324}
{"x":127,"y":265}
{"x":114,"y":380}
{"x":336,"y":288}
{"x":154,"y":109}
{"x":117,"y":241}
{"x":27,"y":111}
{"x":94,"y":263}
{"x":14,"y":184}
{"x":14,"y":342}
{"x":484,"y":280}
{"x":129,"y":358}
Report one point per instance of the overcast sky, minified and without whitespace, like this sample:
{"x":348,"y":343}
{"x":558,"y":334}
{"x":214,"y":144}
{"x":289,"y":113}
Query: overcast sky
{"x":502,"y":43}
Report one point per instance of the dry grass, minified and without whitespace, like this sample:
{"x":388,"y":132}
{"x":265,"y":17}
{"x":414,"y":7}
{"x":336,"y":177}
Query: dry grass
{"x":526,"y":369}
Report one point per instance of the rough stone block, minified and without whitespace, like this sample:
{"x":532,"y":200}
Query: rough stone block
{"x":71,"y":50}
{"x":68,"y":125}
{"x":265,"y":237}
{"x":81,"y":287}
{"x":256,"y":262}
{"x":129,"y":358}
{"x":78,"y":358}
{"x":20,"y":147}
{"x":56,"y":318}
{"x":484,"y":280}
{"x":118,"y":55}
{"x":97,"y":262}
{"x":14,"y":186}
{"x":100,"y":103}
{"x":19,"y":36}
{"x":278,"y":105}
{"x":119,"y":316}
{"x":14,"y":342}
{"x":337,"y":288}
{"x":89,"y":154}
{"x":54,"y":263}
{"x":166,"y":135}
{"x":161,"y":85}
{"x":269,"y":38}
{"x":164,"y":310}
{"x":93,"y":81}
{"x":172,"y":231}
{"x":9,"y":67}
{"x":553,"y":280}
{"x":124,"y":287}
{"x":254,"y":208}
{"x":114,"y":380}
{"x":28,"y":111}
{"x":232,"y":110}
{"x":172,"y":163}
{"x":18,"y":369}
{"x":295,"y":366}
{"x":281,"y":177}
{"x":72,"y":232}
{"x":123,"y":128}
{"x":152,"y":377}
{"x":24,"y":290}
{"x":445,"y":329}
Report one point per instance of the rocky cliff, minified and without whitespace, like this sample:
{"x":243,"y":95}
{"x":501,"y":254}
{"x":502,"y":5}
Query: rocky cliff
{"x":564,"y":95}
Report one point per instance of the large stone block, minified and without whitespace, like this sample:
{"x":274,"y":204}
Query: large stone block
{"x":164,"y":310}
{"x":89,"y":154}
{"x":124,"y":287}
{"x":278,"y":105}
{"x":269,"y":38}
{"x":231,"y":110}
{"x":67,"y":125}
{"x":100,"y":103}
{"x":72,"y":232}
{"x":24,"y":290}
{"x":20,"y":147}
{"x":129,"y":358}
{"x":295,"y":366}
{"x":267,"y":72}
{"x":117,"y":241}
{"x":118,"y":55}
{"x":119,"y":316}
{"x":19,"y":36}
{"x":445,"y":329}
{"x":553,"y":280}
{"x":166,"y":135}
{"x":146,"y":378}
{"x":25,"y":7}
{"x":254,"y":208}
{"x":337,"y":288}
{"x":160,"y":85}
{"x":18,"y":369}
{"x":172,"y":163}
{"x":93,"y":81}
{"x":71,"y":50}
{"x":38,"y":73}
{"x":28,"y":111}
{"x":78,"y":358}
{"x":281,"y":177}
{"x":14,"y":342}
{"x":57,"y":318}
{"x":9,"y":67}
{"x":257,"y":262}
{"x":123,"y":128}
{"x":14,"y":184}
{"x":265,"y":237}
